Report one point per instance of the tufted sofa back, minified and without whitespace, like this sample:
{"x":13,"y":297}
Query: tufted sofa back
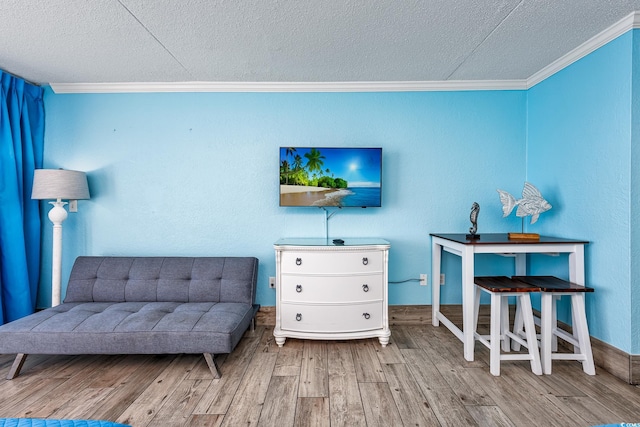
{"x":178,"y":279}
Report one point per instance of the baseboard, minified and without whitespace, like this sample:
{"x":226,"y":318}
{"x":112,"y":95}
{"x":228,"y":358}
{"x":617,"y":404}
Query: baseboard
{"x":613,"y":360}
{"x":398,"y":315}
{"x":266,"y":316}
{"x":634,"y":363}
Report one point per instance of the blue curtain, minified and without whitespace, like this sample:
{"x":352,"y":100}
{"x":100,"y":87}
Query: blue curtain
{"x":21,"y":148}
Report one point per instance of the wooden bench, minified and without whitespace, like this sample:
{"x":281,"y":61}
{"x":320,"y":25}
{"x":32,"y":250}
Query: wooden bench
{"x":501,"y":288}
{"x":551,"y":289}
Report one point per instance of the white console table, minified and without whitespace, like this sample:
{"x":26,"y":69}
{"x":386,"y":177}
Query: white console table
{"x":331,"y":291}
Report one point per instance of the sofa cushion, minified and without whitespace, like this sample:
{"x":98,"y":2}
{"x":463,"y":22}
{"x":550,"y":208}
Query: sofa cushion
{"x":129,"y":328}
{"x":174,"y":279}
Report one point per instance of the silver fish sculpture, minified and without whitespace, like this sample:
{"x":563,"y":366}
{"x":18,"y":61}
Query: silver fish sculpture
{"x":532,"y":203}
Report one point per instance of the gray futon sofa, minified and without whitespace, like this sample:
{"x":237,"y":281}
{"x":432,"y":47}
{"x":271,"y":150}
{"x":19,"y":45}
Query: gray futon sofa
{"x":142,"y":305}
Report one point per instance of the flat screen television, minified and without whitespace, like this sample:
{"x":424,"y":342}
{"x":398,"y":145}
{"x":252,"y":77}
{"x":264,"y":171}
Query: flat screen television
{"x":331,"y":176}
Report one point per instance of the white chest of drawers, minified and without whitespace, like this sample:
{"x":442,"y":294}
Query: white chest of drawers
{"x":328,"y":291}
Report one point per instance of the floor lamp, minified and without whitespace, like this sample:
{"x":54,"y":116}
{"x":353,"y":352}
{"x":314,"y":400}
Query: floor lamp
{"x":58,"y":184}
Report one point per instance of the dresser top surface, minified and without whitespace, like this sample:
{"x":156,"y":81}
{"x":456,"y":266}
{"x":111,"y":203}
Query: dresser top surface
{"x":313,"y":241}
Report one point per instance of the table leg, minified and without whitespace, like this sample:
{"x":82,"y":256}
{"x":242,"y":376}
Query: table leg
{"x":521,"y":264}
{"x":436,"y":258}
{"x":576,"y":275}
{"x":546,"y":331}
{"x":468,"y":299}
{"x":518,"y":322}
{"x":576,"y":265}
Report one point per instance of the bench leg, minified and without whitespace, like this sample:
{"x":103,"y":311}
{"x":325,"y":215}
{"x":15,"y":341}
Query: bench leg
{"x":581,"y":330}
{"x":213,"y":366}
{"x":17,"y":365}
{"x":530,"y":330}
{"x":518,"y":326}
{"x":504,"y":324}
{"x":494,"y":350}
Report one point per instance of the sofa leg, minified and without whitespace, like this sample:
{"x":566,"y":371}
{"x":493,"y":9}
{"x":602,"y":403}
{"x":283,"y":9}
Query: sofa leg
{"x":253,"y":324}
{"x":17,"y":365}
{"x":213,"y":366}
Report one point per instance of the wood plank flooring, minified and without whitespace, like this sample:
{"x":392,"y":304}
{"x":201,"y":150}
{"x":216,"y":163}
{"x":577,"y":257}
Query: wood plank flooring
{"x":420,"y":379}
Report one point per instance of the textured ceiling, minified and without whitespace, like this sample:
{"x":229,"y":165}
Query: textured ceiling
{"x":110,"y":41}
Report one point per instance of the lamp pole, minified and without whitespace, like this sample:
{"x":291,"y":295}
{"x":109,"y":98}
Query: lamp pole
{"x":57,"y":215}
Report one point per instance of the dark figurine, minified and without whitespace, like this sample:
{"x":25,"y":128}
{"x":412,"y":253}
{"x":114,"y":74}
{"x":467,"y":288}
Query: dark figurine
{"x":475,"y":210}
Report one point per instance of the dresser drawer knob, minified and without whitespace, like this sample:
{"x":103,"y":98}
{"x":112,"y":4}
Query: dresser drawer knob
{"x":366,"y":315}
{"x":298,"y":261}
{"x":365,"y":260}
{"x":298,"y":288}
{"x":365,"y":288}
{"x":299,"y":317}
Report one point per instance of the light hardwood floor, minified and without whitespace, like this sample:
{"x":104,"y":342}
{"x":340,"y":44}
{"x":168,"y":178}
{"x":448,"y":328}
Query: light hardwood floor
{"x":420,"y":379}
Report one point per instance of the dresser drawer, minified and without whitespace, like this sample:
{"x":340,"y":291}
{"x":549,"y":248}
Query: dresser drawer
{"x":319,"y":289}
{"x":331,"y":318}
{"x":331,"y":263}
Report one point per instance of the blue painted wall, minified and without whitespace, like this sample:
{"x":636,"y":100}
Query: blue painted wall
{"x":579,"y":152}
{"x":197,"y":174}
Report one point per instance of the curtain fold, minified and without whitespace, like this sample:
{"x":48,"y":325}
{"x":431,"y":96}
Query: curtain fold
{"x":21,"y":150}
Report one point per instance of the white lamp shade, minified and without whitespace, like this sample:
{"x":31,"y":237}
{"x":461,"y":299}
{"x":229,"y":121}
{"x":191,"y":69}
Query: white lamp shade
{"x":59,"y":184}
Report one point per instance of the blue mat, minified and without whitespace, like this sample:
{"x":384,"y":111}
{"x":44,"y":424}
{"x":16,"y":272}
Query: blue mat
{"x":38,"y":422}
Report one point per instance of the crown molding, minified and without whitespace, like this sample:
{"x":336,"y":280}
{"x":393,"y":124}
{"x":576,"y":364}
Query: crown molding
{"x":629,"y":22}
{"x":419,"y":86}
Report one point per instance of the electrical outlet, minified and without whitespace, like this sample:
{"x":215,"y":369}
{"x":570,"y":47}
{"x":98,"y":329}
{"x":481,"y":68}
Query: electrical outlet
{"x":442,"y":279}
{"x":423,"y":280}
{"x":272,"y":282}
